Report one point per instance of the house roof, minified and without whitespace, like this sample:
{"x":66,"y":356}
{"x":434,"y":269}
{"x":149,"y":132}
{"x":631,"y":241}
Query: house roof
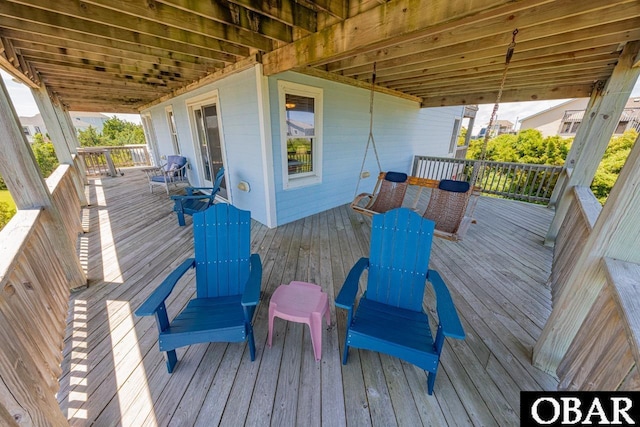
{"x":119,"y":56}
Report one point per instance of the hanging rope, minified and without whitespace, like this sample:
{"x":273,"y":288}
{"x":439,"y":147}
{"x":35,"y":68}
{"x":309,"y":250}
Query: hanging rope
{"x":371,"y":140}
{"x":507,"y":60}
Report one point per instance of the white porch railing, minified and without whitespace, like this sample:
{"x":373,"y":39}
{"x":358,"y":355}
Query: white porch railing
{"x":519,"y":181}
{"x":33,"y":306}
{"x":106,"y":160}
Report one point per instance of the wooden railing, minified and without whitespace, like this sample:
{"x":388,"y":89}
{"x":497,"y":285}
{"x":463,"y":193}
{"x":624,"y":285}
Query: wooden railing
{"x":605,"y":353}
{"x":574,"y":232}
{"x":519,"y":181}
{"x":106,"y":160}
{"x":33,"y":307}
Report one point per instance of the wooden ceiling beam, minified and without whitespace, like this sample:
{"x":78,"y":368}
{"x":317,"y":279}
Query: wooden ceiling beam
{"x":588,"y":77}
{"x":97,"y":107}
{"x":63,"y":70}
{"x":441,"y":44}
{"x":477,"y":51}
{"x":600,"y":58}
{"x":71,"y":86}
{"x":211,"y":35}
{"x":10,"y":63}
{"x":105,"y":46}
{"x":42,"y":21}
{"x":335,"y":8}
{"x":221,"y":23}
{"x":288,"y":12}
{"x":390,"y":23}
{"x":135,"y":69}
{"x":32,"y":49}
{"x":349,"y":38}
{"x":517,"y":95}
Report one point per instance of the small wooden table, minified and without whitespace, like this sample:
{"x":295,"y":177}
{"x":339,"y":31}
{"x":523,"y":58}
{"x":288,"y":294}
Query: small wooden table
{"x":301,"y":302}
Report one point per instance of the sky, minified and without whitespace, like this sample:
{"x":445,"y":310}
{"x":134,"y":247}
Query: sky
{"x":513,"y":111}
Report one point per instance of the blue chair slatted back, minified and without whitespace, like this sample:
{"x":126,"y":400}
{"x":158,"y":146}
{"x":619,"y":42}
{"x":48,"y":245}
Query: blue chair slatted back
{"x":222,"y":235}
{"x":399,"y":258}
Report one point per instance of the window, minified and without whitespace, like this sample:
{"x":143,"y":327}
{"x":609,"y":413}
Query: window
{"x":25,"y":129}
{"x":301,"y":130}
{"x":622,"y":126}
{"x":569,"y":127}
{"x":38,"y":129}
{"x":172,"y":130}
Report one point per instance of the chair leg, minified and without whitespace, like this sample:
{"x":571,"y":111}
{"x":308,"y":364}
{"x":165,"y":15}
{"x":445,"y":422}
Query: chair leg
{"x":171,"y":359}
{"x":345,"y":353}
{"x":252,"y":345}
{"x":181,"y":221}
{"x":431,"y":380}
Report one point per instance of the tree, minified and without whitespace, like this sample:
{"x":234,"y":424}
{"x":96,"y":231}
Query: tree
{"x":3,"y":185}
{"x":45,"y":154}
{"x":90,"y":137}
{"x":120,"y":132}
{"x":6,"y":213}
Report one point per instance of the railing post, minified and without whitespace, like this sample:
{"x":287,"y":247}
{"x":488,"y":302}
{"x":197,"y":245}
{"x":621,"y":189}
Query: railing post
{"x":602,"y":121}
{"x":614,"y":235}
{"x":29,"y":190}
{"x":59,"y":139}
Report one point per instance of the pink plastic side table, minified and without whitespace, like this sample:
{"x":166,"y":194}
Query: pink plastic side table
{"x":301,"y":302}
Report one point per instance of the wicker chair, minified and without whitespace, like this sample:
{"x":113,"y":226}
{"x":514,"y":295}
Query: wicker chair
{"x":387,"y":194}
{"x":448,"y":209}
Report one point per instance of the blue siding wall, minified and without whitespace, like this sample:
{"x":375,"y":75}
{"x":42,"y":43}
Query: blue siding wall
{"x":238,"y":109}
{"x":401,"y":130}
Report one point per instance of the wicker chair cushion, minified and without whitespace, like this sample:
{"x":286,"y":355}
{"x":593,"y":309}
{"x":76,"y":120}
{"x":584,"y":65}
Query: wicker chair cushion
{"x":391,"y":193}
{"x":447,"y":207}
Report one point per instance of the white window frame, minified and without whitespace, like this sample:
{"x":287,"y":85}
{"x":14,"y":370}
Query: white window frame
{"x":172,"y":129}
{"x":315,"y":176}
{"x":150,"y":136}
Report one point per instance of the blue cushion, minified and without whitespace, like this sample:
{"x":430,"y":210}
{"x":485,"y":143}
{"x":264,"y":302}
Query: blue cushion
{"x":396,"y":176}
{"x":158,"y":178}
{"x":454,"y":186}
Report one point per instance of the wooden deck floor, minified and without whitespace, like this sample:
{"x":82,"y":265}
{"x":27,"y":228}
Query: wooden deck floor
{"x":115,"y":375}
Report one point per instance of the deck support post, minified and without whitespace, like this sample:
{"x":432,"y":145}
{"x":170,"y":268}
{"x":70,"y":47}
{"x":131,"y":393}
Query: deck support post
{"x":599,"y":124}
{"x":59,"y":138}
{"x":614,"y":235}
{"x":28,"y":189}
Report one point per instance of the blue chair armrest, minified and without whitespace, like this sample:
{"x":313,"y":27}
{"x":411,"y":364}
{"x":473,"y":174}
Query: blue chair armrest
{"x":251,"y":294}
{"x":160,"y":294}
{"x":447,"y":314}
{"x":347,"y":296}
{"x":188,"y":197}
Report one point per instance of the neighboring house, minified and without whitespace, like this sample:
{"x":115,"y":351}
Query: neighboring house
{"x":564,"y":119}
{"x":81,"y":121}
{"x":498,"y":128}
{"x":248,"y":122}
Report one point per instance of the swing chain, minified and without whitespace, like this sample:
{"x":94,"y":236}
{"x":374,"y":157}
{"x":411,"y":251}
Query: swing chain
{"x":371,"y":140}
{"x":510,"y":50}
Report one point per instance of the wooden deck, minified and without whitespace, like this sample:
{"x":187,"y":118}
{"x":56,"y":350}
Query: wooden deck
{"x":115,"y":375}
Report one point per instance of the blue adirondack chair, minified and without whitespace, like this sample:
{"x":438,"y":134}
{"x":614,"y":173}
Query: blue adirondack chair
{"x":192,"y":203}
{"x":228,"y":280}
{"x":389,"y":316}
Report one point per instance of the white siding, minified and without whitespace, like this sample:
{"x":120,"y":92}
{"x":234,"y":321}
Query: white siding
{"x":401,"y":130}
{"x":238,"y":110}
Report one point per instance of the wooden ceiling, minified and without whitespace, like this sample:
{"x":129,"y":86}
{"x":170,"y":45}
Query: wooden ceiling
{"x":120,"y":55}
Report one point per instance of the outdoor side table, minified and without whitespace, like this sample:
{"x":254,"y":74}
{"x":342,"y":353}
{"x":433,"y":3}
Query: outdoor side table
{"x":301,"y":302}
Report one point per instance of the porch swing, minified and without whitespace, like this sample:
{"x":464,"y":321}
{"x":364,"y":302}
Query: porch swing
{"x":450,"y":203}
{"x":390,"y":188}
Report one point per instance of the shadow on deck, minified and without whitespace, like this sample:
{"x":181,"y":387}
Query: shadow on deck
{"x":115,"y":375}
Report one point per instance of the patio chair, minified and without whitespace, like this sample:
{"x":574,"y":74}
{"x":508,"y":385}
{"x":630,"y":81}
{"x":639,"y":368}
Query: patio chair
{"x":173,"y":172}
{"x":387,"y":194}
{"x":192,"y":202}
{"x":228,"y":280}
{"x":390,"y":317}
{"x":448,"y":209}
